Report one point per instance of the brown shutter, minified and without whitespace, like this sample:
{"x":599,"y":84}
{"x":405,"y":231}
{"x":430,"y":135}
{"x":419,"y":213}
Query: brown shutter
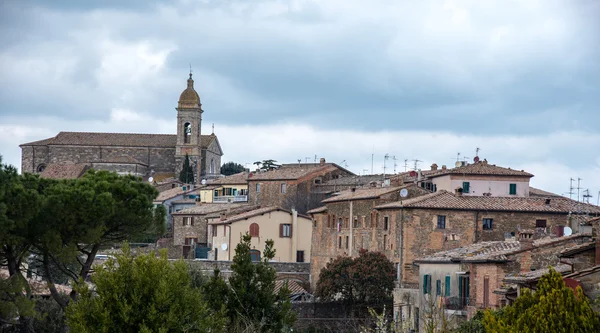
{"x":192,"y":220}
{"x":291,"y":230}
{"x":280,"y":230}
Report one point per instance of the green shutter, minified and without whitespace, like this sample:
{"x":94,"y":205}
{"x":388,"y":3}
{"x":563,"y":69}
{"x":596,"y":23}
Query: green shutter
{"x":447,"y":291}
{"x":438,"y":287}
{"x":425,"y":284}
{"x":460,"y":286}
{"x":466,"y":187}
{"x":513,"y":189}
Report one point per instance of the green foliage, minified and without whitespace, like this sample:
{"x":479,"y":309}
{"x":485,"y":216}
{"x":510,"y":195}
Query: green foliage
{"x":187,"y":173}
{"x":142,"y":294}
{"x":367,"y":279}
{"x":50,"y":317}
{"x":250,"y":299}
{"x":266,"y":164}
{"x":231,"y":168}
{"x":553,"y":307}
{"x":474,"y":325}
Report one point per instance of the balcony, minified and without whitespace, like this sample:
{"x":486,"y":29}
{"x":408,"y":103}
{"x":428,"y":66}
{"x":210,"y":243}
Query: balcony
{"x":456,"y":305}
{"x":230,"y":198}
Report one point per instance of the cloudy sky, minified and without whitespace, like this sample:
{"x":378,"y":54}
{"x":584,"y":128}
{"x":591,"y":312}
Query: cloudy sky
{"x":340,"y":79}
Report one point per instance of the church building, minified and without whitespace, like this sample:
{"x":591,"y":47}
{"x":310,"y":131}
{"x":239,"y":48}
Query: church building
{"x":145,"y":155}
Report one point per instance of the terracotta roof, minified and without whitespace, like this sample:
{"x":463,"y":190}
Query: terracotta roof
{"x":362,"y":194}
{"x":64,"y":171}
{"x":238,"y":178}
{"x":583,"y":272}
{"x":208,"y":208}
{"x":293,"y":172}
{"x":117,"y":139}
{"x":596,"y":219}
{"x":293,"y":286}
{"x":172,"y":193}
{"x":490,"y":251}
{"x":233,"y":211}
{"x":481,"y":168}
{"x":317,"y":210}
{"x":354,"y":180}
{"x":445,"y":200}
{"x":407,"y":178}
{"x":536,"y":192}
{"x":569,"y":251}
{"x":253,"y":213}
{"x":121,"y":160}
{"x":535,"y":275}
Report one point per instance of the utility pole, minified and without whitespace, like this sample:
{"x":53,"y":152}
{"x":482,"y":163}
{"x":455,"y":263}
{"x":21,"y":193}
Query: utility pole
{"x":405,"y":165}
{"x":571,"y":180}
{"x":578,"y":187}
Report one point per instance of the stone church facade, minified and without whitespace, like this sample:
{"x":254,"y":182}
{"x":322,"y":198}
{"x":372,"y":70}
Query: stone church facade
{"x":144,"y":155}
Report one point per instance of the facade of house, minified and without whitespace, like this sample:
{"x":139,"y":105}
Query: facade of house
{"x":139,"y":154}
{"x":349,"y":222}
{"x":290,"y":231}
{"x":175,"y":199}
{"x":293,"y":185}
{"x":232,"y":188}
{"x":461,"y":281}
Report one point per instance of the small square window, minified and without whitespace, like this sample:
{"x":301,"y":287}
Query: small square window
{"x":441,"y":222}
{"x":386,"y":222}
{"x":540,"y":223}
{"x":283,"y":187}
{"x":286,"y":230}
{"x":258,"y":188}
{"x":466,"y":187}
{"x":487,"y":224}
{"x":512,"y":190}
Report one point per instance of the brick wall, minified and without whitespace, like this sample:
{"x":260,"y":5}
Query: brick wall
{"x":297,"y":271}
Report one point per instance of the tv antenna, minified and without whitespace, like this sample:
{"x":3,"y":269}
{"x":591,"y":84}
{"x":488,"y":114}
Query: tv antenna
{"x":395,"y":164}
{"x":477,"y":149}
{"x":586,"y":196}
{"x":306,"y":159}
{"x":578,"y":187}
{"x":385,"y":158}
{"x":405,"y":165}
{"x":416,"y":164}
{"x":571,"y":180}
{"x":365,"y":171}
{"x":457,"y":157}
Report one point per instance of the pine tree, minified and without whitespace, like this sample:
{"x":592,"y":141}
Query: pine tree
{"x":187,"y":173}
{"x":553,"y":307}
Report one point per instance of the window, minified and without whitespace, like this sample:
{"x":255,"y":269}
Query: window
{"x":512,"y":189}
{"x":224,"y":230}
{"x":187,"y":132}
{"x":41,"y":167}
{"x":385,"y":242}
{"x":339,"y":224}
{"x":466,"y":187}
{"x":255,"y":255}
{"x":447,"y":286}
{"x":486,"y":292}
{"x":328,"y":220}
{"x":487,"y":224}
{"x":188,"y":220}
{"x":438,"y":287}
{"x":441,"y":222}
{"x":340,"y":242}
{"x":426,"y":284}
{"x":540,"y":223}
{"x":346,"y":223}
{"x":386,"y":222}
{"x":347,"y":241}
{"x":190,"y":240}
{"x":364,"y":221}
{"x":214,"y":230}
{"x":285,"y":230}
{"x":463,"y":289}
{"x":317,"y":180}
{"x":254,"y":230}
{"x":283,"y":185}
{"x":355,"y":223}
{"x":299,"y":256}
{"x":258,"y":188}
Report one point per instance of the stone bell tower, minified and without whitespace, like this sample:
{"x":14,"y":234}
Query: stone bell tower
{"x":189,"y":122}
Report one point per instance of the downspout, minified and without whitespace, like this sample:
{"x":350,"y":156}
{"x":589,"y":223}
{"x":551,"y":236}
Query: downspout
{"x":351,"y":222}
{"x":229,"y":244}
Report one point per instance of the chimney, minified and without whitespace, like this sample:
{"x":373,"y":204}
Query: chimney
{"x":223,"y":216}
{"x":250,"y":175}
{"x":485,"y":162}
{"x":353,"y":189}
{"x":434,"y":166}
{"x":458,"y":192}
{"x":322,"y":161}
{"x":443,"y":167}
{"x":547,"y":201}
{"x":526,"y":238}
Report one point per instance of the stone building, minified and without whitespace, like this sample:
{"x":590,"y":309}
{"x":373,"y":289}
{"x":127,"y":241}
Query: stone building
{"x":293,"y":185}
{"x":138,"y":154}
{"x":349,"y":222}
{"x":478,"y":276}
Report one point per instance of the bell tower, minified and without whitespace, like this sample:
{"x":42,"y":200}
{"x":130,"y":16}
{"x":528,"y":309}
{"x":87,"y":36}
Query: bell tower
{"x":189,"y":123}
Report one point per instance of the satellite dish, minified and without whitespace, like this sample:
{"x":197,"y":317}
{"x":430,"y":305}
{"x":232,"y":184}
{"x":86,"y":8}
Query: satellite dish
{"x":568,"y":231}
{"x":458,"y":164}
{"x":476,"y":159}
{"x":413,"y":173}
{"x":404,"y":193}
{"x":224,"y":246}
{"x":203,"y":182}
{"x":150,"y":179}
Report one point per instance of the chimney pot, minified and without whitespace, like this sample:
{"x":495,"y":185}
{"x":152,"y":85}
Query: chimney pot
{"x":458,"y":192}
{"x":434,"y":166}
{"x":485,"y":162}
{"x":250,"y":175}
{"x":443,"y":167}
{"x":322,"y":161}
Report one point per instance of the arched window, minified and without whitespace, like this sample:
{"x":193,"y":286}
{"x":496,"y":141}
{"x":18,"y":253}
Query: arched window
{"x":187,"y":132}
{"x":255,"y":255}
{"x":254,"y":230}
{"x":212,"y":165}
{"x":41,"y":167}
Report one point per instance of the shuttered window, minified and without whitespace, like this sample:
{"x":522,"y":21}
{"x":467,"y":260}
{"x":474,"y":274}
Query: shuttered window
{"x":254,"y":230}
{"x":447,"y":286}
{"x":285,"y":230}
{"x":438,"y":287}
{"x":466,"y":187}
{"x":512,"y":189}
{"x":426,"y":284}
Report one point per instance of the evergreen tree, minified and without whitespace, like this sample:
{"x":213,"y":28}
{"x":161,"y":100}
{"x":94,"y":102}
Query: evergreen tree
{"x":250,"y":299}
{"x":231,"y":168}
{"x":142,"y":294}
{"x":553,"y":307}
{"x":187,"y":173}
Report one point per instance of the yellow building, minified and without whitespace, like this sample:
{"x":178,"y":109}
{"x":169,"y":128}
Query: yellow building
{"x":232,"y":188}
{"x":291,"y":232}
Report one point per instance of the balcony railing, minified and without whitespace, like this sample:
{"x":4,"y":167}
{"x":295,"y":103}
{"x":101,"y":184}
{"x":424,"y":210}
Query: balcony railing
{"x":230,"y":198}
{"x":456,"y":303}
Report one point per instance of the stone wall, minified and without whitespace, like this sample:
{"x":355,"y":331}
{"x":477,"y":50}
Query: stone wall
{"x":198,"y":229}
{"x":296,"y":271}
{"x":121,"y":168}
{"x":27,"y":162}
{"x":211,"y":153}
